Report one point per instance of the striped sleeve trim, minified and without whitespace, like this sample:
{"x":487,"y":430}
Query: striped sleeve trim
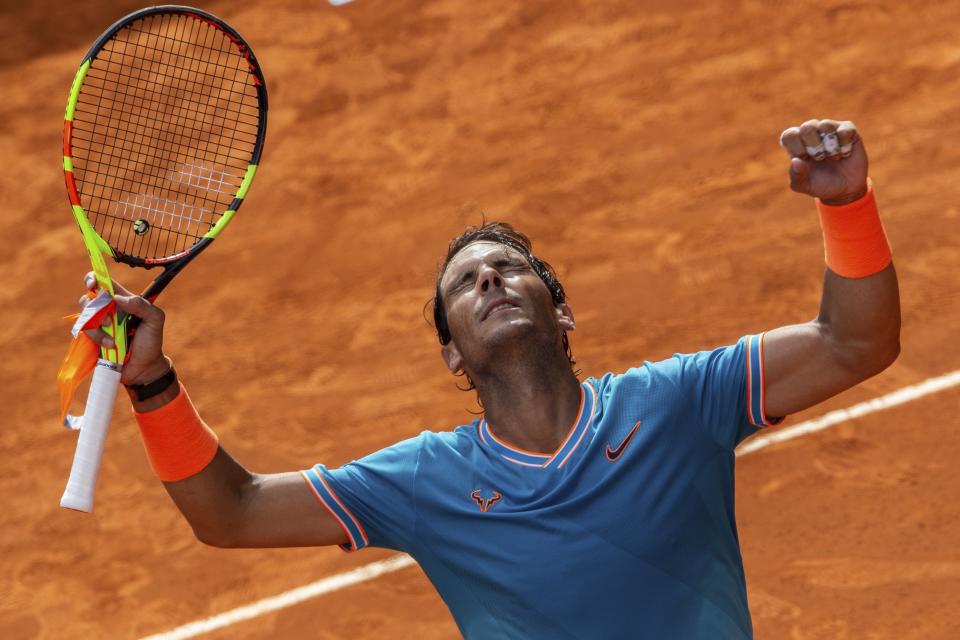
{"x":755,"y":384}
{"x":321,"y":490}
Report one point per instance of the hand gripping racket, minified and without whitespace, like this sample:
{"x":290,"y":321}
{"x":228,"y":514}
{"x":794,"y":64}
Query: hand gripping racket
{"x":161,"y":139}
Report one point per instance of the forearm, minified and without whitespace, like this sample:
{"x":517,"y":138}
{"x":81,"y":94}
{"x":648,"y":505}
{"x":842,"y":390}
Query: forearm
{"x":860,"y":319}
{"x":860,"y":308}
{"x":212,"y":501}
{"x":205,"y":482}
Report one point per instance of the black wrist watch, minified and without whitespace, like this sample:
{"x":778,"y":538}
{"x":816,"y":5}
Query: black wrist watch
{"x":158,"y":386}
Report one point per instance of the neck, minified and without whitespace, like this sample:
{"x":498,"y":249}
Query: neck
{"x":530,"y":400}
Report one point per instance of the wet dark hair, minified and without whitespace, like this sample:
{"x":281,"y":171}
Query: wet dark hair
{"x":501,"y":233}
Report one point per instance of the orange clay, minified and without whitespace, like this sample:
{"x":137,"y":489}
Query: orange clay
{"x":854,"y":242}
{"x":178,"y":443}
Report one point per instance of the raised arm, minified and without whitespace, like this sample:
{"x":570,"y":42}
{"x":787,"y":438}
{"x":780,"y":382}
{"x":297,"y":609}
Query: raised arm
{"x":857,"y":331}
{"x":225,"y":504}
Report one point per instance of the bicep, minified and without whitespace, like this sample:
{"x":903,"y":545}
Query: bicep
{"x":802,"y":367}
{"x":280,"y":510}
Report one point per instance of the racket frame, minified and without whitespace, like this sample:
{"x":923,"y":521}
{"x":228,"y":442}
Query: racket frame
{"x":79,"y":493}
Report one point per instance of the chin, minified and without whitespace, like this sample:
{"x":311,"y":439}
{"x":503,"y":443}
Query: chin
{"x":519,"y":331}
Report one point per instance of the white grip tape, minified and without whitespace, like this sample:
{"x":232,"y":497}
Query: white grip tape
{"x":93,"y":435}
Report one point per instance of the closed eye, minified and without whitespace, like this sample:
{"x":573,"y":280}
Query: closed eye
{"x":461,"y":281}
{"x":503,"y":266}
{"x":511,"y":265}
{"x":466,"y":278}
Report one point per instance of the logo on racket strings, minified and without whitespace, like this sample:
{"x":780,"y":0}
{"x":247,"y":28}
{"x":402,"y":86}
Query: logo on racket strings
{"x":141,"y":226}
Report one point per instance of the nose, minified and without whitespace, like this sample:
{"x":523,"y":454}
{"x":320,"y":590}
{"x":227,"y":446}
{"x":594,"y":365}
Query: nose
{"x":489,"y":278}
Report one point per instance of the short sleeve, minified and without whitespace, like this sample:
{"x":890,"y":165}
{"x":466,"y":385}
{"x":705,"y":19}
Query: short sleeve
{"x":725,"y":388}
{"x":372,"y":498}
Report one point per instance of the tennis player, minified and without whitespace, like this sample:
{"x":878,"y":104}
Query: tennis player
{"x":601,"y":508}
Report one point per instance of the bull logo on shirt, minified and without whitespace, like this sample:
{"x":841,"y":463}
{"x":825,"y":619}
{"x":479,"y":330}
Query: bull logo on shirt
{"x":485,"y":503}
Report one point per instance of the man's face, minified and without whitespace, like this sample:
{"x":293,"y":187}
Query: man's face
{"x":492,"y":295}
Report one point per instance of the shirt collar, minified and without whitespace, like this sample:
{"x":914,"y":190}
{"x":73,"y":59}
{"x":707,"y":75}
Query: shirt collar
{"x":588,"y":401}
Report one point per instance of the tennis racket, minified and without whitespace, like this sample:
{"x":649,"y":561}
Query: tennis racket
{"x":162,"y":136}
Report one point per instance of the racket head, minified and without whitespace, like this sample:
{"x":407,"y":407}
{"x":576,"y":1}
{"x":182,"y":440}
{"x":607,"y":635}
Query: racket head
{"x":163,"y":133}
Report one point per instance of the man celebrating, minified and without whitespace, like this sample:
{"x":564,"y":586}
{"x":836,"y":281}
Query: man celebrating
{"x":594,"y":509}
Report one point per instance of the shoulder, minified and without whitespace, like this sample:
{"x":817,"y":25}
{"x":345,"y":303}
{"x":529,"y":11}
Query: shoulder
{"x":406,"y":457}
{"x":663,"y":381}
{"x":679,"y":367}
{"x":643,"y":377}
{"x":462,"y":440}
{"x":457,"y":439}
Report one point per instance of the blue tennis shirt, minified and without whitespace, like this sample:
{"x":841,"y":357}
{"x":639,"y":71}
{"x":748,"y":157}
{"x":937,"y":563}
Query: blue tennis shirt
{"x":626,"y":531}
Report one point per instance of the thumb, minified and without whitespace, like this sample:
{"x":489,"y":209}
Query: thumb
{"x":800,"y":175}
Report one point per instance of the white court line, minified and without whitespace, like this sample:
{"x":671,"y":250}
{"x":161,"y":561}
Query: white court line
{"x":287,"y":599}
{"x":377,"y":569}
{"x":892,"y":399}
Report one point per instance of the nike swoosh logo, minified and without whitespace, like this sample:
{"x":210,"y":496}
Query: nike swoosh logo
{"x":613,"y":454}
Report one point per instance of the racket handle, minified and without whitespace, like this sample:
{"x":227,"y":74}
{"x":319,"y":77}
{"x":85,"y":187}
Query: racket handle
{"x":93,"y":435}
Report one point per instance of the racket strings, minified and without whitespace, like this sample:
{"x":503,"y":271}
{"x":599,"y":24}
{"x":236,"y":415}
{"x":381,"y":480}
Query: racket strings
{"x":208,"y":64}
{"x":224,"y":109}
{"x":186,"y":89}
{"x":166,"y":125}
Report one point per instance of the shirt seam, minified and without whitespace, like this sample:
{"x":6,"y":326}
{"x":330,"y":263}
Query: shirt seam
{"x":467,"y":587}
{"x":746,"y":632}
{"x":692,"y":588}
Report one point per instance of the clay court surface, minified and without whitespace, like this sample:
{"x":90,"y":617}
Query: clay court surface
{"x":637,"y":145}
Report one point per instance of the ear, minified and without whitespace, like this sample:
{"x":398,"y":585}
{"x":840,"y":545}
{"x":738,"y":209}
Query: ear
{"x":565,"y":317}
{"x":451,"y":356}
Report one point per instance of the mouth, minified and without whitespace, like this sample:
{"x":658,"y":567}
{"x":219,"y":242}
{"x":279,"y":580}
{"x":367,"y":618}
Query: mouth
{"x":497,"y":306}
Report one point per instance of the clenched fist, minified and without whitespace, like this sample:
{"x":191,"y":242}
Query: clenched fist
{"x":827,"y":160}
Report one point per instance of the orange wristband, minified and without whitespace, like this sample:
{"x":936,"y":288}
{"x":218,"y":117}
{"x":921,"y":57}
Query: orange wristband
{"x":854,"y":242}
{"x":178,"y":443}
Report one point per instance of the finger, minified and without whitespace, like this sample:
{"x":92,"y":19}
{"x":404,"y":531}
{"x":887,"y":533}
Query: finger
{"x":810,"y":136}
{"x":87,"y":297}
{"x":827,"y":126}
{"x":140,"y":307}
{"x":100,"y":337}
{"x":828,"y":135}
{"x":848,"y":136}
{"x":800,"y":175}
{"x":122,"y":290}
{"x":790,"y":141}
{"x":90,"y":282}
